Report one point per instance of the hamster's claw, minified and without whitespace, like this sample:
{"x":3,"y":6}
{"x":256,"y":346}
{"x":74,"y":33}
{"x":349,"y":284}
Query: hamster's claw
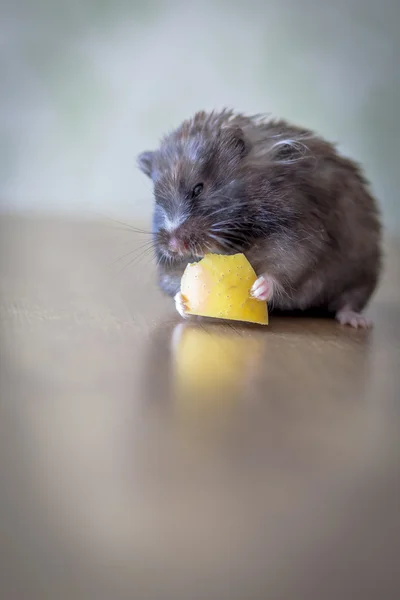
{"x":180,"y":305}
{"x":262,"y":289}
{"x":354,"y":319}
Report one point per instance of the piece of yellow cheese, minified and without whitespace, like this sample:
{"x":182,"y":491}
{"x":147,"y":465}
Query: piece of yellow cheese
{"x":219,"y":286}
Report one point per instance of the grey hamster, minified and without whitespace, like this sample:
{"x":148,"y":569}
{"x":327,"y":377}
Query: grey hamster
{"x":301,"y":213}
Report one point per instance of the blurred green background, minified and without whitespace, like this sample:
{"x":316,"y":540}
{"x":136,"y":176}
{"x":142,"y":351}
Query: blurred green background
{"x":86,"y":85}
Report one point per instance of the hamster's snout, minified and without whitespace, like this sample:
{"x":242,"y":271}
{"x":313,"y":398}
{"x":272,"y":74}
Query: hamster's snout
{"x":178,"y":245}
{"x":187,"y":240}
{"x":175,"y":243}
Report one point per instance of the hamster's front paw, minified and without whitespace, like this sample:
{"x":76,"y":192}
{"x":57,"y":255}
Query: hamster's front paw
{"x":263,"y":288}
{"x":180,"y":305}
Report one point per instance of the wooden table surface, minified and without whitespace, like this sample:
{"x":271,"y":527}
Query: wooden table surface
{"x":145,"y":458}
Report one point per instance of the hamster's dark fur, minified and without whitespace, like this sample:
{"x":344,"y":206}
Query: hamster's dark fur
{"x":300,"y":212}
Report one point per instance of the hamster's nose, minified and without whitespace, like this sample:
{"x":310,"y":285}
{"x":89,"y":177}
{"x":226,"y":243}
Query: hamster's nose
{"x":176,"y":245}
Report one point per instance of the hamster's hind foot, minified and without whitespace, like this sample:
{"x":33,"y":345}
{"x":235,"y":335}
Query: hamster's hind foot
{"x":346,"y":316}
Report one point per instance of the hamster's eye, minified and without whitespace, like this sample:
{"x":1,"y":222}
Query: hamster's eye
{"x":197,"y":190}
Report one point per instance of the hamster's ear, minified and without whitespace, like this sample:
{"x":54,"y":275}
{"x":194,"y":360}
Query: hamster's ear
{"x":145,"y":163}
{"x":233,"y":141}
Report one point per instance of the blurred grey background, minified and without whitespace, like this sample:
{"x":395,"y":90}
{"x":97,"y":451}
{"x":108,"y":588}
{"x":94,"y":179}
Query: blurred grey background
{"x":86,"y":85}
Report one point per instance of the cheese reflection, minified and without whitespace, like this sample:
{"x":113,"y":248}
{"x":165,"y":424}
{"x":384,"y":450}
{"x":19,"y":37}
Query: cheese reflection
{"x":213,"y":366}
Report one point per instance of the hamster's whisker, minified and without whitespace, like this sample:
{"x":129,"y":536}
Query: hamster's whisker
{"x":231,"y":222}
{"x":208,"y":247}
{"x":196,"y":250}
{"x":223,"y":209}
{"x":235,"y":233}
{"x":225,"y":243}
{"x":147,"y":245}
{"x":226,"y":227}
{"x":136,"y":259}
{"x":130,"y":227}
{"x":239,"y":212}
